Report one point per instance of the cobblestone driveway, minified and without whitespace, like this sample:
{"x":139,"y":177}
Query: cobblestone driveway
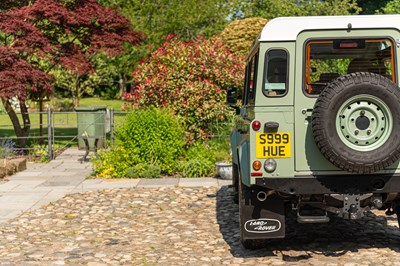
{"x":180,"y":226}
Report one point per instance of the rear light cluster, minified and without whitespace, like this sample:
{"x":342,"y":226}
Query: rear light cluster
{"x":256,"y":165}
{"x":269,"y":164}
{"x":256,"y":125}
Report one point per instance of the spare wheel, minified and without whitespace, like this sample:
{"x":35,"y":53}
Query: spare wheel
{"x":356,"y":122}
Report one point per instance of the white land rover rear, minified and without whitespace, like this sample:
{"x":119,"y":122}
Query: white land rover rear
{"x":318,"y":131}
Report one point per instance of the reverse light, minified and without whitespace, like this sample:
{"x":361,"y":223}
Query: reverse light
{"x":256,"y":165}
{"x":256,"y":125}
{"x":270,"y":165}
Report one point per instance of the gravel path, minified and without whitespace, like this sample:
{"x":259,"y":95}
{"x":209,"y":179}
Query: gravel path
{"x":181,"y":226}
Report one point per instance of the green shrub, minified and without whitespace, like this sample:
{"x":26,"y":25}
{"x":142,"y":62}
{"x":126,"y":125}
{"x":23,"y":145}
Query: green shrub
{"x":135,"y":171}
{"x":143,"y":170}
{"x":152,"y":171}
{"x":200,"y":150}
{"x":114,"y":162}
{"x":198,"y":167}
{"x":156,"y":137}
{"x":40,"y":153}
{"x":109,"y":93}
{"x":199,"y":161}
{"x":61,"y":104}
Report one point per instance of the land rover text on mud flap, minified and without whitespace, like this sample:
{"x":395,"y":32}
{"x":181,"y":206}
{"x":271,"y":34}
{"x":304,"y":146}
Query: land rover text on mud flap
{"x":318,"y":130}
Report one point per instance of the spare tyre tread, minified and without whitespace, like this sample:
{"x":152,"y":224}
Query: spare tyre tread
{"x":322,"y":113}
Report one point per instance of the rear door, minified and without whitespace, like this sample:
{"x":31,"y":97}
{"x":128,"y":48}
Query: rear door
{"x":322,"y":57}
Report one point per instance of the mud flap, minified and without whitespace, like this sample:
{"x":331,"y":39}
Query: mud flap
{"x":262,"y":219}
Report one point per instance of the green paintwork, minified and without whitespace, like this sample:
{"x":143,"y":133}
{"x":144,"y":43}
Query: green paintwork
{"x":293,"y":113}
{"x":371,"y":109}
{"x":308,"y":158}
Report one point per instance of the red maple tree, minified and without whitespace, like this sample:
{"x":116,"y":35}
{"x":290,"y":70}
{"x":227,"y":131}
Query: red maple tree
{"x":79,"y":29}
{"x":65,"y":32}
{"x":19,"y":41}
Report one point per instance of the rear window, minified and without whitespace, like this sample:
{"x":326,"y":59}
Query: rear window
{"x":331,"y":58}
{"x":275,"y":73}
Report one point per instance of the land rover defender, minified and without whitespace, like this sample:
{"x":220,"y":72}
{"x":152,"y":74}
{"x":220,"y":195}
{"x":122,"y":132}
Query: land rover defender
{"x":317,"y":131}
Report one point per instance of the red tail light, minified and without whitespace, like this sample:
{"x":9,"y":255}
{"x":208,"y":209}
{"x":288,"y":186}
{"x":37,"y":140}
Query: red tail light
{"x":256,"y":125}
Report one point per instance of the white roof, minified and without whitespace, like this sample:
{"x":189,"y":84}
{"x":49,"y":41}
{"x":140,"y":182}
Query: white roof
{"x":287,"y":28}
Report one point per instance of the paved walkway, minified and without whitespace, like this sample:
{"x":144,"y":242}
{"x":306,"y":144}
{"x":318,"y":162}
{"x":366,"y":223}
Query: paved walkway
{"x":43,"y":183}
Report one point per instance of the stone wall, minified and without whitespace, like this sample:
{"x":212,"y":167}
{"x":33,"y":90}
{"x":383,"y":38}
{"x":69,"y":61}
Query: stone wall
{"x":10,"y":167}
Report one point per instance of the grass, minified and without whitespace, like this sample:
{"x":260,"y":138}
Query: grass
{"x":116,"y":104}
{"x":65,"y":123}
{"x":95,"y":101}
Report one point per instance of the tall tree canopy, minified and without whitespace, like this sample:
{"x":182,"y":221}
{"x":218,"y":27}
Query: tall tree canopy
{"x":240,"y":34}
{"x":36,"y":37}
{"x":185,"y":19}
{"x":371,"y":7}
{"x":392,"y":7}
{"x":277,"y":8}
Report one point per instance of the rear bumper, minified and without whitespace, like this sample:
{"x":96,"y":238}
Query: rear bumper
{"x":344,"y":184}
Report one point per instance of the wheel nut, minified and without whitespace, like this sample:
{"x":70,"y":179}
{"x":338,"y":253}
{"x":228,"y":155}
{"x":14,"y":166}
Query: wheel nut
{"x":356,"y":132}
{"x":368,"y":131}
{"x":362,"y":113}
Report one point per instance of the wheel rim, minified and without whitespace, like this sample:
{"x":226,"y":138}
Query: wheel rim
{"x":364,"y":122}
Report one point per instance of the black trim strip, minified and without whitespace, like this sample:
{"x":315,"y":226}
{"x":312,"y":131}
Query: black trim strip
{"x":347,"y":184}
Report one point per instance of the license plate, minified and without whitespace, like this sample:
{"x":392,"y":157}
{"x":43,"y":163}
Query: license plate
{"x":273,"y":145}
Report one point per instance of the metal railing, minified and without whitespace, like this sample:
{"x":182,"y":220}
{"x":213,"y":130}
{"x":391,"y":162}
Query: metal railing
{"x":62,"y":129}
{"x":52,"y":129}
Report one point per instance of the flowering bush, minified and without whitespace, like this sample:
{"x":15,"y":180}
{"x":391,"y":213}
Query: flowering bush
{"x":189,"y":78}
{"x":114,"y":162}
{"x":7,"y":148}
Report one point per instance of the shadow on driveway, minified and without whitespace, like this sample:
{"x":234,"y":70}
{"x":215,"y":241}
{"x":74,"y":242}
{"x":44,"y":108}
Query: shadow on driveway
{"x":334,"y":239}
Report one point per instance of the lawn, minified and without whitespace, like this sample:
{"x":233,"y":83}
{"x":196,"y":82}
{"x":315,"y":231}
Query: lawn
{"x":65,"y":123}
{"x":116,"y":104}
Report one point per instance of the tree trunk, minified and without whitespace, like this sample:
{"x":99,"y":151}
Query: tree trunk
{"x":76,"y":95}
{"x":21,"y":132}
{"x":122,"y":86}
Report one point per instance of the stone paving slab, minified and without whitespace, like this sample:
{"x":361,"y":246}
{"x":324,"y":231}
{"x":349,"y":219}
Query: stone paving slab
{"x":25,"y":174}
{"x":20,"y":185}
{"x":7,"y":186}
{"x":224,"y":182}
{"x":198,"y":182}
{"x":164,"y":182}
{"x":10,"y":211}
{"x":63,"y":181}
{"x":20,"y":200}
{"x":64,"y":173}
